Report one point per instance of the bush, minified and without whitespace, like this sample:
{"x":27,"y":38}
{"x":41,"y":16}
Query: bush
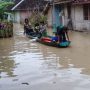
{"x":6,"y":29}
{"x":37,"y":18}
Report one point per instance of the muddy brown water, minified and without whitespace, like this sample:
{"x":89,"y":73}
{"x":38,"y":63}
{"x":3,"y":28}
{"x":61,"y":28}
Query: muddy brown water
{"x":28,"y":65}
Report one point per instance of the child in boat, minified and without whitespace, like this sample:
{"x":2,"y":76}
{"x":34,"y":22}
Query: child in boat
{"x":37,"y":28}
{"x":43,"y":29}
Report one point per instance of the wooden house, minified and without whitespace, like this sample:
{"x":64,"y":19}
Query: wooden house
{"x":81,"y":14}
{"x":73,"y":13}
{"x":24,"y":8}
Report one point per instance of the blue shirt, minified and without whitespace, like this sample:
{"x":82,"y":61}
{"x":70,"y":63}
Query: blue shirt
{"x":54,"y":38}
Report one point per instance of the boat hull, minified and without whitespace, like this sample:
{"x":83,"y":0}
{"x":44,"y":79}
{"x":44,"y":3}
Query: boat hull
{"x":54,"y":44}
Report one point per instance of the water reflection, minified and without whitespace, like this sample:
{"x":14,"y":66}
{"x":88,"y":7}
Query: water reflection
{"x":76,"y":56}
{"x":7,"y":66}
{"x":33,"y":63}
{"x":54,"y":58}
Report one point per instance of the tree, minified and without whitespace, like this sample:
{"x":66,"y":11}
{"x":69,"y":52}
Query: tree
{"x":7,"y":0}
{"x":3,"y":7}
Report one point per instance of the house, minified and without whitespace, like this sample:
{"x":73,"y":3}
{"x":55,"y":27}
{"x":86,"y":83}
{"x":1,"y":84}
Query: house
{"x":55,"y":13}
{"x":24,"y":8}
{"x":48,"y":12}
{"x":73,"y":13}
{"x":81,"y":14}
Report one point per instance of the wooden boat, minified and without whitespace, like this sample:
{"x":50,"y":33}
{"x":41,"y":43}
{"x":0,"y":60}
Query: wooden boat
{"x":33,"y":36}
{"x":49,"y":42}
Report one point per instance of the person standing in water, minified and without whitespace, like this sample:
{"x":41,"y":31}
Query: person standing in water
{"x":27,"y":27}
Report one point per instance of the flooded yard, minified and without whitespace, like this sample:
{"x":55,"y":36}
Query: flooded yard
{"x":28,"y":65}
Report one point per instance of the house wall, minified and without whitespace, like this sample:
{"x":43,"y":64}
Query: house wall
{"x":49,"y":17}
{"x":23,"y":15}
{"x":78,"y":21}
{"x":56,"y":17}
{"x":17,"y":16}
{"x":77,"y":17}
{"x":53,"y":18}
{"x":65,"y":15}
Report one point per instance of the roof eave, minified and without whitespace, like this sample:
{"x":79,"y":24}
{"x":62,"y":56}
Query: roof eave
{"x":17,"y":5}
{"x":62,"y":2}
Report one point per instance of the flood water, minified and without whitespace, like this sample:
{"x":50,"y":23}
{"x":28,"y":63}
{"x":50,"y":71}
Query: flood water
{"x":28,"y":65}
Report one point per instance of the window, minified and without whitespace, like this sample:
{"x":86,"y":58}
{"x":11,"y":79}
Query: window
{"x":86,"y":11}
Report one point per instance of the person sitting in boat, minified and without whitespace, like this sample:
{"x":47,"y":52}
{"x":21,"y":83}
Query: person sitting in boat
{"x":55,"y":38}
{"x":43,"y":29}
{"x":37,"y":28}
{"x":62,"y":32}
{"x":27,"y":27}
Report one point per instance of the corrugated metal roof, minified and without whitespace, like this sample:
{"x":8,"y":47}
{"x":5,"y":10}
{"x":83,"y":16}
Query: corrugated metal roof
{"x":62,"y":1}
{"x":29,"y":4}
{"x":72,"y":1}
{"x":80,"y":1}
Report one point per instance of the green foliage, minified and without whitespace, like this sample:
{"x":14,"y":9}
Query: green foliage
{"x":37,"y":18}
{"x":6,"y":29}
{"x":3,"y":7}
{"x":43,"y":18}
{"x":7,"y":0}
